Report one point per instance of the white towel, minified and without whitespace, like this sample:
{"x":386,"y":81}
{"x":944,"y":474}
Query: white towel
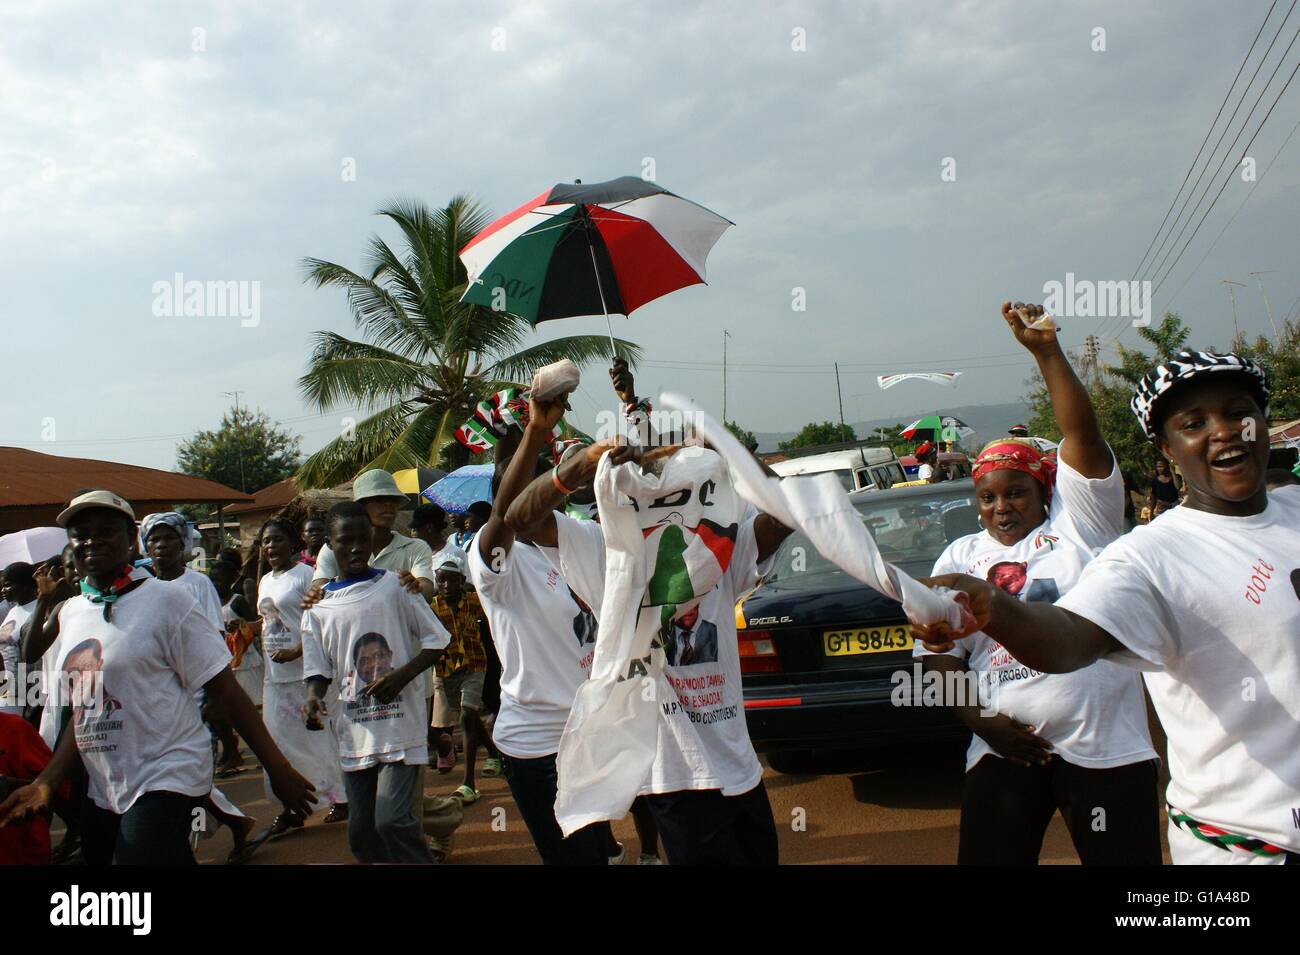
{"x":817,"y":506}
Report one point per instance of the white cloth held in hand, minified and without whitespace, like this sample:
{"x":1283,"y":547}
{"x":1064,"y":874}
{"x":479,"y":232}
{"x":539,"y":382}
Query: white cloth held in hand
{"x":817,"y":506}
{"x":557,"y":378}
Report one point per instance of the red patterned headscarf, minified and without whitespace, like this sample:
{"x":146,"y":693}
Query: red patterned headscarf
{"x":1016,"y":455}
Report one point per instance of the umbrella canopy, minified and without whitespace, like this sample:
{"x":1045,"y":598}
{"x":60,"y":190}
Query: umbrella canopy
{"x":461,"y":488}
{"x":410,"y":480}
{"x":937,"y":423}
{"x":601,"y":249}
{"x":32,"y":546}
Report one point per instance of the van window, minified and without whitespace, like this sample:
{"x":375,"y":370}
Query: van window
{"x":881,"y":478}
{"x":861,"y":478}
{"x":846,"y":479}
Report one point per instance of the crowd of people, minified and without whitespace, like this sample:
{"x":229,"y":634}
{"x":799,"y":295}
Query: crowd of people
{"x":349,"y":656}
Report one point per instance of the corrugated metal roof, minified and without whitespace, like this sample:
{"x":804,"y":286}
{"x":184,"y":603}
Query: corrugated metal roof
{"x":275,"y":496}
{"x":32,"y":479}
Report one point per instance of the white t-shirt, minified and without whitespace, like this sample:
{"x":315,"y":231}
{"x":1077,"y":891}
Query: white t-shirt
{"x":400,"y":553}
{"x":279,"y":604}
{"x":205,"y":592}
{"x":545,"y":640}
{"x":1094,"y":717}
{"x":1209,"y":606}
{"x":709,"y":693}
{"x":10,"y":636}
{"x":924,"y":472}
{"x":145,"y":733}
{"x":389,"y":625}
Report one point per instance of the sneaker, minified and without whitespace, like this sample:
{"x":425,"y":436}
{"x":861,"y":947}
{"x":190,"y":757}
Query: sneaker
{"x":622,"y":855}
{"x":644,"y":859}
{"x":446,"y":761}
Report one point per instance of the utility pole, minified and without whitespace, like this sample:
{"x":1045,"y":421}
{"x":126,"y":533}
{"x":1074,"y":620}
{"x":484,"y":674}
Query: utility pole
{"x":725,"y":335}
{"x":1236,"y":332}
{"x":1091,"y":359}
{"x":1267,"y":307}
{"x":840,"y":397}
{"x":239,"y":448}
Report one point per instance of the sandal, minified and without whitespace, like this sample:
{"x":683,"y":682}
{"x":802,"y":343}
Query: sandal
{"x":283,"y":823}
{"x":491,"y":766}
{"x":466,"y":795}
{"x":338,"y":813}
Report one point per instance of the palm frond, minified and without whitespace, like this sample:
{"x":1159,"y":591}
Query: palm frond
{"x":354,"y":450}
{"x":374,"y":308}
{"x":580,"y":349}
{"x":342,"y":370}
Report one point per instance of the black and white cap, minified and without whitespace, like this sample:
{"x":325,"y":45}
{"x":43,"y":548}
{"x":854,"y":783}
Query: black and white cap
{"x":1183,"y":366}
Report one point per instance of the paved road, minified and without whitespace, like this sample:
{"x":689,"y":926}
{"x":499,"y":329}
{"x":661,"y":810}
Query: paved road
{"x":898,"y":808}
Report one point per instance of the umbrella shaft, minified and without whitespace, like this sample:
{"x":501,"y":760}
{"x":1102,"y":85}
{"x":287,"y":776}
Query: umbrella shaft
{"x":600,"y":289}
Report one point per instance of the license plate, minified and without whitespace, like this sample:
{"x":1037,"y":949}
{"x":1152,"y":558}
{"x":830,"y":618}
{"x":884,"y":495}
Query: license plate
{"x":843,"y":643}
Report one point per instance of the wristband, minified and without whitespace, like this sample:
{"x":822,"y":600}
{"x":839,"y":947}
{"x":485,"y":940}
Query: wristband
{"x":555,"y":480}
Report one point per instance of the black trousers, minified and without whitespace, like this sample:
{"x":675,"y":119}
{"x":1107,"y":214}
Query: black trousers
{"x":704,"y":827}
{"x":534,"y":784}
{"x":1113,"y":814}
{"x":154,"y":831}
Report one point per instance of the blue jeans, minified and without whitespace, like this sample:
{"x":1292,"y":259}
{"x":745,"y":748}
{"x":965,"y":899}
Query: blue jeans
{"x":533,"y":784}
{"x":382,"y":824}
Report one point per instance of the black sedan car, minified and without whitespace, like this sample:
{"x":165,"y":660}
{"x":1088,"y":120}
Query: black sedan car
{"x":827,"y":661}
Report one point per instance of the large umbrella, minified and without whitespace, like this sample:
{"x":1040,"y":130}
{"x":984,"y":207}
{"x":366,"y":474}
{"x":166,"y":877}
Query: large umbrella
{"x":461,"y":488}
{"x":410,"y":480}
{"x":936,"y":423}
{"x":32,"y":546}
{"x":604,"y":248}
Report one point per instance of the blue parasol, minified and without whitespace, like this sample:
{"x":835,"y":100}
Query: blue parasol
{"x":461,"y":488}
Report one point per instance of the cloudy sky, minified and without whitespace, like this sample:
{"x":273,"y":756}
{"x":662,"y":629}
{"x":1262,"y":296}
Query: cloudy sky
{"x":144,"y":140}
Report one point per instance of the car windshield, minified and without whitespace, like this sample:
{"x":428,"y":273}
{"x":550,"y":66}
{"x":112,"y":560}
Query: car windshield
{"x":908,"y":529}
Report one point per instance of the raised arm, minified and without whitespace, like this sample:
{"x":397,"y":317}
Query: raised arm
{"x":497,"y":536}
{"x":42,"y":630}
{"x":1083,"y":447}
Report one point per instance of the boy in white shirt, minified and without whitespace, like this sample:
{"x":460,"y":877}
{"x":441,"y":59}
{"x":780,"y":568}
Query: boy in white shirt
{"x":378,"y":641}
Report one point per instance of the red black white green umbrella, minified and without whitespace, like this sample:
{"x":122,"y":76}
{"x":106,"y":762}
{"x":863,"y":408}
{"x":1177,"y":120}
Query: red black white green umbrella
{"x":604,"y":248}
{"x":934,"y":423}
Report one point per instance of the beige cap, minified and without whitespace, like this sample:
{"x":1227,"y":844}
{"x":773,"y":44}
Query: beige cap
{"x":93,"y":499}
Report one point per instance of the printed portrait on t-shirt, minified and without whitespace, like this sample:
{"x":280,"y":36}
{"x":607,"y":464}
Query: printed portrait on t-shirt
{"x":84,"y":683}
{"x":1011,"y":576}
{"x":584,"y":624}
{"x":688,"y":640}
{"x":275,"y":634}
{"x":372,"y":659}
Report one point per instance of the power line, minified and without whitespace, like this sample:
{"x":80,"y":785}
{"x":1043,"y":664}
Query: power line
{"x":1226,"y":97}
{"x":1233,"y":171}
{"x":1233,"y":218}
{"x":1209,"y":160}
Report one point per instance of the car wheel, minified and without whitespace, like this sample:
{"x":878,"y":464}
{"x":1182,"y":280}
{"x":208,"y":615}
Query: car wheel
{"x":792,"y":762}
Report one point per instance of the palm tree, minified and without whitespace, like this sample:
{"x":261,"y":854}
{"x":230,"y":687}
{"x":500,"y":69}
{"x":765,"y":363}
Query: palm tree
{"x":427,"y":360}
